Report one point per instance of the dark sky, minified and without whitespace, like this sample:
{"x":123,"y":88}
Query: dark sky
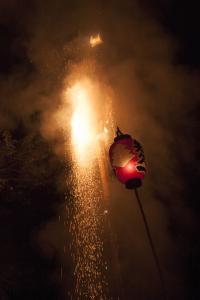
{"x":151,"y":52}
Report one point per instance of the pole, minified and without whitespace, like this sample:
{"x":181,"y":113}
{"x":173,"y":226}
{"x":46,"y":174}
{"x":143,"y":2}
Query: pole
{"x":157,"y":263}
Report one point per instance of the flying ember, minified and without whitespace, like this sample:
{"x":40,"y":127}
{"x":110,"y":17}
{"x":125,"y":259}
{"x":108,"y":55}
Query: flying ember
{"x":95,"y":40}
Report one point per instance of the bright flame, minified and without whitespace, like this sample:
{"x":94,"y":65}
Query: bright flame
{"x":83,"y":121}
{"x":95,"y":40}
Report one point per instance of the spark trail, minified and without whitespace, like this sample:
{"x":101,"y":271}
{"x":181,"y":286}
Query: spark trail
{"x":87,"y":220}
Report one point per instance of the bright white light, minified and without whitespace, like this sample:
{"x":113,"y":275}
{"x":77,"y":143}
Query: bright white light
{"x":83,"y":119}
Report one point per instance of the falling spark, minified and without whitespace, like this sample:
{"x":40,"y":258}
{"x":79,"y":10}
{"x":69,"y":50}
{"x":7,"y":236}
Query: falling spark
{"x":95,"y":40}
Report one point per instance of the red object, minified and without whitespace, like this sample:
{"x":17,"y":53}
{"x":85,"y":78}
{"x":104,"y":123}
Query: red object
{"x":127,"y":160}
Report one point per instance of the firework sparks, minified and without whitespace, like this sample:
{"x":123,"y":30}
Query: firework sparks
{"x":88,"y":181}
{"x":90,"y":266}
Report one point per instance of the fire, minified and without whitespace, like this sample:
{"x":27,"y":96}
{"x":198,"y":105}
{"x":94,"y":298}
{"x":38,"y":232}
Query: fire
{"x":82,"y":117}
{"x":95,"y":40}
{"x":89,"y":132}
{"x":90,"y":128}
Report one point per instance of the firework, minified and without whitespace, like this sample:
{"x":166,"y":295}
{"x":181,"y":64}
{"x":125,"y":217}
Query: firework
{"x":88,"y":184}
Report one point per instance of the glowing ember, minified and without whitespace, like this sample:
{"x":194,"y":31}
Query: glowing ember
{"x":95,"y":40}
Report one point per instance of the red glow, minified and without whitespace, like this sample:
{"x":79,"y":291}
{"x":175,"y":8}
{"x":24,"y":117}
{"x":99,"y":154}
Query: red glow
{"x":118,"y":154}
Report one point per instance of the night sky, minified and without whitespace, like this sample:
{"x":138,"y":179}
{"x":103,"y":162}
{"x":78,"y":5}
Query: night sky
{"x":150,"y":54}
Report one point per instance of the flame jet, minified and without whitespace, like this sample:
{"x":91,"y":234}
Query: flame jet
{"x":88,"y":139}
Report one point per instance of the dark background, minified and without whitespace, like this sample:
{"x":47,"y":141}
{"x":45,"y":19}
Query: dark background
{"x":31,"y":171}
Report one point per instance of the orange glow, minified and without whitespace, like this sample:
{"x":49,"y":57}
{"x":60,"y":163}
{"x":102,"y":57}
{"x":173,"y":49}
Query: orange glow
{"x":82,"y":121}
{"x":95,"y":40}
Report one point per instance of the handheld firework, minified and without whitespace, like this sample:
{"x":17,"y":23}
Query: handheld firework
{"x":128,"y":163}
